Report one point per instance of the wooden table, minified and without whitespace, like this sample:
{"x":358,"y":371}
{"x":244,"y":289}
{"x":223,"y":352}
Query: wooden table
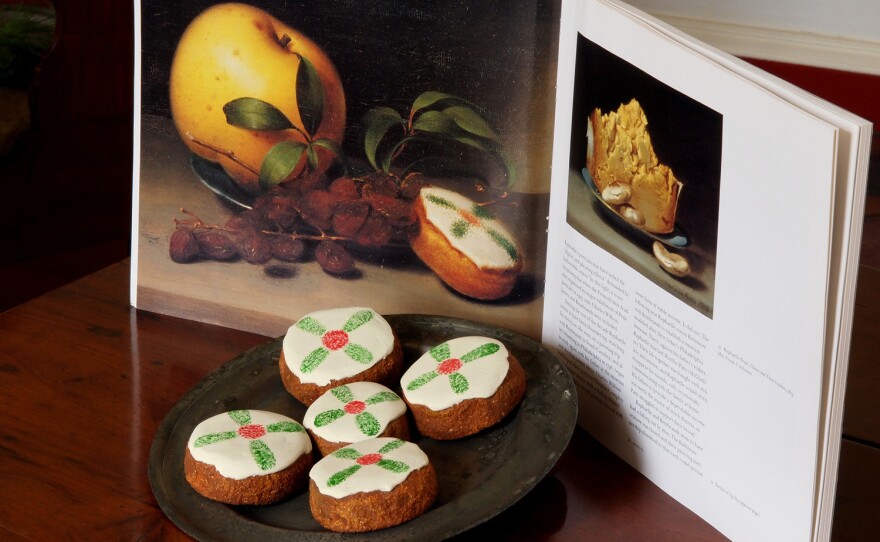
{"x":85,"y":381}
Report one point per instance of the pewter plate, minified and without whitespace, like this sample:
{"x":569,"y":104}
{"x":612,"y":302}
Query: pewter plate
{"x":478,"y":476}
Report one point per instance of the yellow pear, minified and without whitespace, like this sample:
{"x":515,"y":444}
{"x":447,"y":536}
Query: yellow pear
{"x":232,"y":51}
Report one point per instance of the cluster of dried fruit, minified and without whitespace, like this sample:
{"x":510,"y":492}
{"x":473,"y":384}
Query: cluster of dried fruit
{"x":308,"y":215}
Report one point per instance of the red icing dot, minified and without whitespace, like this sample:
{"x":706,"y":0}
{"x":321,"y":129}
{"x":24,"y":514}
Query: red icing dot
{"x":336,"y":339}
{"x":355,"y":407}
{"x":449,"y":366}
{"x":469,"y":217}
{"x":369,"y":459}
{"x":252,"y":431}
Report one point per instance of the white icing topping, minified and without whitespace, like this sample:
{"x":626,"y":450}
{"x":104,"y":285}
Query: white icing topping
{"x":378,"y":464}
{"x":336,"y":343}
{"x":245,"y":443}
{"x":459,"y":369}
{"x":471,"y":229}
{"x":353,"y":412}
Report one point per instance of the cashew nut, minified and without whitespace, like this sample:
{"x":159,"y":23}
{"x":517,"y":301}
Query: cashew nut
{"x":617,"y":193}
{"x":632,"y":215}
{"x":672,"y":263}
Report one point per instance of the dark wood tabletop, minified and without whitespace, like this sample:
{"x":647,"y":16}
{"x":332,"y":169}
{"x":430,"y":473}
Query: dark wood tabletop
{"x":85,"y":380}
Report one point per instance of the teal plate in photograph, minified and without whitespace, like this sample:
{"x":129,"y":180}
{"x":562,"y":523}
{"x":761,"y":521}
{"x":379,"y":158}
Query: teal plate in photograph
{"x":478,"y":476}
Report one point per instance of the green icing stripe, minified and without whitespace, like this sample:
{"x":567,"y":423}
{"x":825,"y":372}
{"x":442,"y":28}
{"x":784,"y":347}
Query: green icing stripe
{"x":284,"y":427}
{"x":482,"y":212}
{"x":459,"y":229}
{"x":262,"y":454}
{"x":422,"y":380}
{"x":347,"y":453}
{"x":343,"y":393}
{"x":311,"y":362}
{"x":458,"y":382}
{"x":241,"y":417}
{"x":328,"y":417}
{"x":442,"y":202}
{"x":204,"y":440}
{"x":392,"y":465}
{"x":480,"y":352}
{"x":340,"y":476}
{"x":310,"y":325}
{"x":381,"y":397}
{"x":504,"y":243}
{"x":358,"y":353}
{"x":357,"y":320}
{"x":440,"y":352}
{"x":393,"y":445}
{"x":368,"y":424}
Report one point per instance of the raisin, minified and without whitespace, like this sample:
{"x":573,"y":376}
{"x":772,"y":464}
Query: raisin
{"x":254,"y":248}
{"x":287,"y":249}
{"x":345,"y":188}
{"x":374,"y":233}
{"x":380,"y":183}
{"x":317,"y":208}
{"x":349,"y":216}
{"x":411,"y":185}
{"x":281,"y":211}
{"x":397,"y":211}
{"x":333,"y":258}
{"x":312,"y":181}
{"x":215,"y":245}
{"x":183,"y":246}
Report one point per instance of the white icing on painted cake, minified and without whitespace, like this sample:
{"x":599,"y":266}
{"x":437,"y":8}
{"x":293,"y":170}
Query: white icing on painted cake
{"x":353,"y":412}
{"x":337,"y":343}
{"x":459,"y":369}
{"x":470,"y":228}
{"x":378,"y":464}
{"x":244,"y":443}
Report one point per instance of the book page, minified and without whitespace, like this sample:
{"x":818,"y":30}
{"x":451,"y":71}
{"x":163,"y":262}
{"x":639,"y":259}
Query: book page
{"x":710,"y":383}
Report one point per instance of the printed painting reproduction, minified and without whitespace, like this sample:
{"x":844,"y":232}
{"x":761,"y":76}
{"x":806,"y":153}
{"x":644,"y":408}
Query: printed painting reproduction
{"x":300,"y":155}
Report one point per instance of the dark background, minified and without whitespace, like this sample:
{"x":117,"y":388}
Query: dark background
{"x":685,"y":133}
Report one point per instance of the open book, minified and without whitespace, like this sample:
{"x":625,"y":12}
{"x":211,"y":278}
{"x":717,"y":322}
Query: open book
{"x":698,"y":273}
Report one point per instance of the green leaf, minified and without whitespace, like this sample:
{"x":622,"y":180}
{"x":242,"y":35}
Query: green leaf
{"x":432,"y":97}
{"x":422,"y":380}
{"x":334,"y":148}
{"x":436,"y":122}
{"x":386,"y":163}
{"x":312,"y":157}
{"x":255,"y":114}
{"x":378,"y":121}
{"x":309,"y":95}
{"x":492,"y":149}
{"x":470,"y":121}
{"x":281,"y":159}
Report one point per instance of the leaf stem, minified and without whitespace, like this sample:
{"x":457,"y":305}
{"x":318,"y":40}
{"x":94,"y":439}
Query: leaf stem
{"x":227,"y":154}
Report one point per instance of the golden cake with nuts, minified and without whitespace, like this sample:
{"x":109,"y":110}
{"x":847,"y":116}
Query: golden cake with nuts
{"x":626,"y":170}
